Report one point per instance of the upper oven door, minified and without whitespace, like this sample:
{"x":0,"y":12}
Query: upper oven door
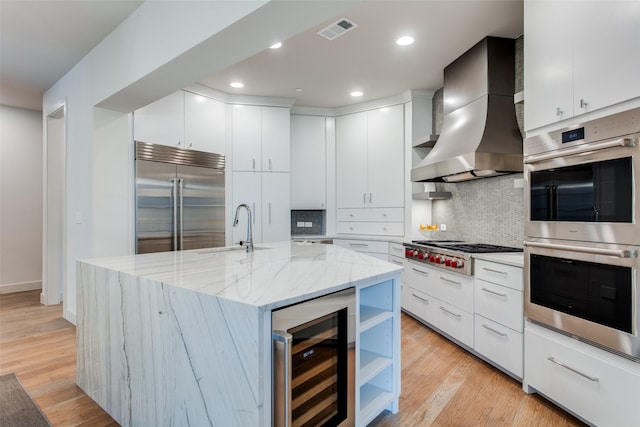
{"x":583,"y":189}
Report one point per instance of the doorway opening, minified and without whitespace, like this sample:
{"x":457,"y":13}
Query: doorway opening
{"x":54,"y":240}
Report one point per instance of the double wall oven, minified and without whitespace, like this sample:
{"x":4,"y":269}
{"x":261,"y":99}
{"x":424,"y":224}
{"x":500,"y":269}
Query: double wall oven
{"x":582,"y":248}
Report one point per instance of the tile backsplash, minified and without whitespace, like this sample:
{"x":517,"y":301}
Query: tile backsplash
{"x":308,"y":222}
{"x":487,"y":210}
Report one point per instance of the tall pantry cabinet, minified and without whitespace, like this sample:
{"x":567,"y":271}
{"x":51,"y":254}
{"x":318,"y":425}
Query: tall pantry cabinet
{"x":261,"y":171}
{"x":370,"y":172}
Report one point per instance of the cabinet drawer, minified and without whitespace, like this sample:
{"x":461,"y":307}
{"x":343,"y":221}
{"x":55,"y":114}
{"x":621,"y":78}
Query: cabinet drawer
{"x":371,"y":228}
{"x":502,"y":345}
{"x":371,"y":214}
{"x":364,"y":245}
{"x":396,"y":249}
{"x":598,"y":386}
{"x":501,"y":304}
{"x":451,"y":320}
{"x":502,"y":274}
{"x":453,"y":289}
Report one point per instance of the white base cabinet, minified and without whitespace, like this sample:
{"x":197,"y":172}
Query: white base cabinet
{"x":483,"y":313}
{"x":597,"y":386}
{"x":375,"y":248}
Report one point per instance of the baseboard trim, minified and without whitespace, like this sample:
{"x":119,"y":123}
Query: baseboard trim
{"x":70,"y":316}
{"x":20,"y":287}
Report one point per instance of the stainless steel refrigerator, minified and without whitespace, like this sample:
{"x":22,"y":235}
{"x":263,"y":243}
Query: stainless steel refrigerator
{"x":179,"y":199}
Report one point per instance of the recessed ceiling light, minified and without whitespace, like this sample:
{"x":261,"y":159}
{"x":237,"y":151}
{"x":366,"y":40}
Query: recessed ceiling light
{"x":276,"y":45}
{"x":404,"y":41}
{"x":356,"y":93}
{"x":237,"y":85}
{"x":298,"y":89}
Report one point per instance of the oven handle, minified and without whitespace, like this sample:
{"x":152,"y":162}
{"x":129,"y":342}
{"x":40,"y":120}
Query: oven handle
{"x":620,"y":253}
{"x":580,"y":149}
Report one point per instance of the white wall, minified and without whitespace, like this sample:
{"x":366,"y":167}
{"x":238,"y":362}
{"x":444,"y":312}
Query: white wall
{"x":162,"y":47}
{"x":20,"y":199}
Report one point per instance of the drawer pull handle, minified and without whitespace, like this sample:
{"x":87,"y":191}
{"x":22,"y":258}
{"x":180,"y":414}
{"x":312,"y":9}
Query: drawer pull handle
{"x":453,"y":282}
{"x":359,"y":244}
{"x":489,"y":328}
{"x":582,"y":374}
{"x":491,"y":270}
{"x":459,"y":316}
{"x":420,"y":271}
{"x":494,"y":292}
{"x":418,"y":297}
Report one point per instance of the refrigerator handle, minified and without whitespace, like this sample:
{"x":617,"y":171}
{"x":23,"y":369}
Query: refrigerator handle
{"x":174,"y":195}
{"x":181,"y":188}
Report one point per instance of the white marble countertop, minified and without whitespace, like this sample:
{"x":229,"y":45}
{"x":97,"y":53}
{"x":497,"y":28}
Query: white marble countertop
{"x":511,"y":258}
{"x":274,"y":275}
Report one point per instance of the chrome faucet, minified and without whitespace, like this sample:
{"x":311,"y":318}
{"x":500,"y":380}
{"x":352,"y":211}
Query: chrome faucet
{"x":249,"y":241}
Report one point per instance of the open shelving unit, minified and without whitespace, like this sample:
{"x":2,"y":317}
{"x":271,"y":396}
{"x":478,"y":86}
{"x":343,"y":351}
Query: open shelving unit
{"x":378,"y":378}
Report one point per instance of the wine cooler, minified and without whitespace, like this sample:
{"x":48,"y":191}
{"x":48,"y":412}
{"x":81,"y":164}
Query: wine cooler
{"x":313,"y":362}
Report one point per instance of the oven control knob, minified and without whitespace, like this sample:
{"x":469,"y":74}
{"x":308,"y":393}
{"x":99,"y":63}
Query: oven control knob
{"x":460,"y":264}
{"x":432,"y":258}
{"x":454,"y":264}
{"x":447,"y":262}
{"x":438,"y":260}
{"x":408,"y":253}
{"x":420,"y":255}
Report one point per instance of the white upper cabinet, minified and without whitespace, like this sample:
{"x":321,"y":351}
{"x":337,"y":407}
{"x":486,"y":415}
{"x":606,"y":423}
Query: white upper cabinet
{"x":161,"y":122}
{"x":370,"y":158}
{"x":386,"y":157}
{"x":579,"y":57}
{"x":184,"y":120}
{"x":261,"y":140}
{"x":276,"y":139}
{"x":204,"y":123}
{"x":351,"y":160}
{"x":308,"y":162}
{"x":247,"y":137}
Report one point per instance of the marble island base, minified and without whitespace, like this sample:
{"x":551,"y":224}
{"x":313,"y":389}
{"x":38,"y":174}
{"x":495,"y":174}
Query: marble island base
{"x":185,"y":338}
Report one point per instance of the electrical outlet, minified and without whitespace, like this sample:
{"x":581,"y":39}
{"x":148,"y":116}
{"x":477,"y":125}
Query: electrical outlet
{"x":299,"y":224}
{"x":443,"y":227}
{"x":308,"y":224}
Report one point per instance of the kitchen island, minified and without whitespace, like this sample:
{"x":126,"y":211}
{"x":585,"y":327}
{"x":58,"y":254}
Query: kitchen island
{"x":184,"y":338}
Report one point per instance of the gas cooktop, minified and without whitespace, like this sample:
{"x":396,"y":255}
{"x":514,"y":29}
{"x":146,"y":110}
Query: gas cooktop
{"x":457,"y":245}
{"x":450,"y":254}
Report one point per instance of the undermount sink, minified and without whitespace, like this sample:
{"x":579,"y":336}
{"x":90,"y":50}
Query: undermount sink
{"x":227,"y":249}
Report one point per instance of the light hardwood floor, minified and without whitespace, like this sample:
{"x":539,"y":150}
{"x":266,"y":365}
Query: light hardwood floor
{"x":442,"y":385}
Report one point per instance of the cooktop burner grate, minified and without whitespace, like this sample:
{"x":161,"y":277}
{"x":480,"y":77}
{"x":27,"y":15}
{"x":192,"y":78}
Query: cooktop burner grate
{"x":456,"y":245}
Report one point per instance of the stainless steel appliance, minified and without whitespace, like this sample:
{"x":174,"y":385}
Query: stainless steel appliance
{"x":450,"y":254}
{"x":583,"y":232}
{"x":582,"y":181}
{"x":480,"y":136}
{"x":314,"y":362}
{"x":179,"y":199}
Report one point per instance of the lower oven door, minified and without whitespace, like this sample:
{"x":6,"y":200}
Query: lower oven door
{"x":588,"y":290}
{"x":314,"y":362}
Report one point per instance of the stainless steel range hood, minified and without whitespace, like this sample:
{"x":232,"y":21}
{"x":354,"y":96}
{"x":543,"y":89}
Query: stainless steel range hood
{"x":480,"y":135}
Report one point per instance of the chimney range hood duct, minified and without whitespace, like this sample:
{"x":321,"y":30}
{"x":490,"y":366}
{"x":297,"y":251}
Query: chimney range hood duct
{"x":480,"y":136}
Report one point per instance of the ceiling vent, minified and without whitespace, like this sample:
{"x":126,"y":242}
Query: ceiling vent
{"x":337,"y":29}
